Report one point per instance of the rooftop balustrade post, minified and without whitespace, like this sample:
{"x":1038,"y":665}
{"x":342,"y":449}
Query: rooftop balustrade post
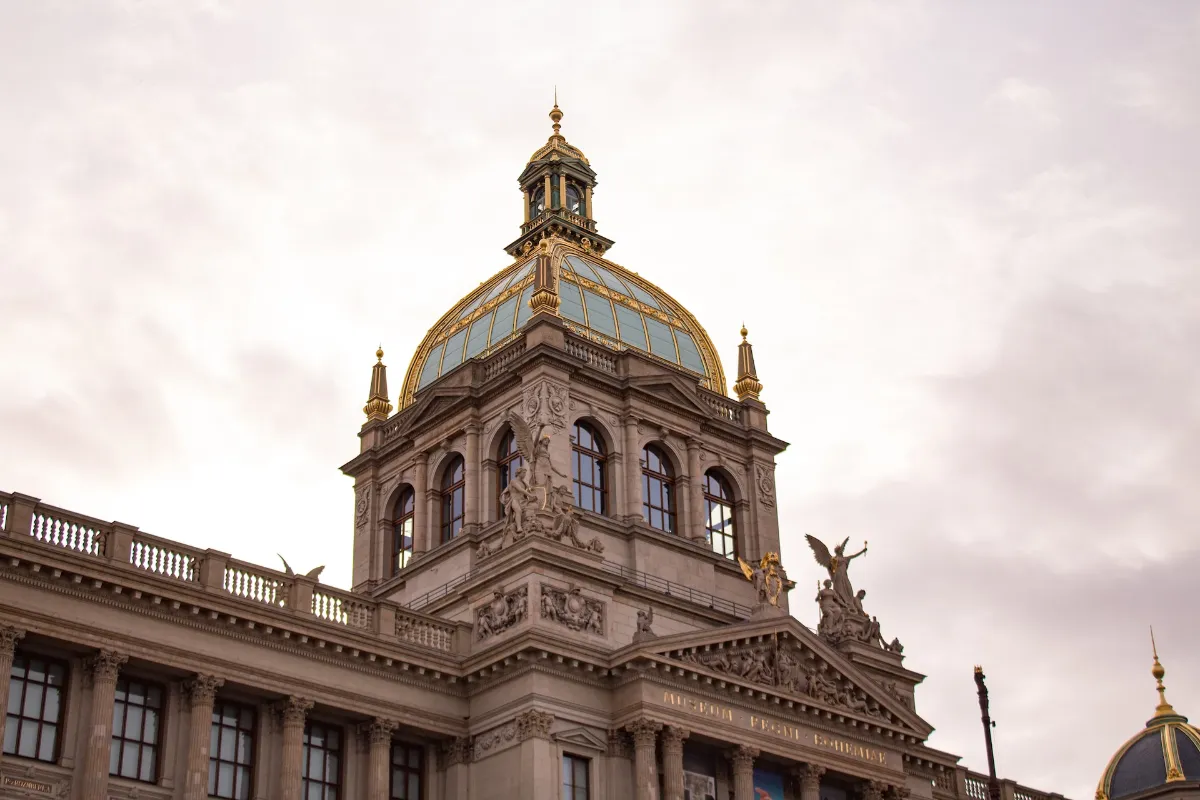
{"x":1008,"y":789}
{"x":385,"y":619}
{"x":20,"y":514}
{"x":118,"y":547}
{"x":300,"y":598}
{"x":212,"y":569}
{"x":462,"y":638}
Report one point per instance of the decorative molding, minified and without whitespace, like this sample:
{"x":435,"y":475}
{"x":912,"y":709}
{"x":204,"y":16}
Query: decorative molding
{"x":9,"y":636}
{"x":502,"y":612}
{"x":534,"y":724}
{"x":105,"y":665}
{"x":292,"y":710}
{"x":572,"y":609}
{"x":581,"y":738}
{"x":377,"y":731}
{"x":202,"y":690}
{"x":454,"y":751}
{"x":618,"y":744}
{"x":495,"y":740}
{"x":872,"y":790}
{"x":743,"y":758}
{"x":644,"y":732}
{"x":765,"y":481}
{"x":362,"y":506}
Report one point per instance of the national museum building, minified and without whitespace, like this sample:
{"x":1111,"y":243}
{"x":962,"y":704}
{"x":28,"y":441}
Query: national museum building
{"x":567,"y":585}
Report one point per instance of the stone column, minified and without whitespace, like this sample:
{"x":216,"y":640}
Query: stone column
{"x":378,"y":733}
{"x":633,"y":470}
{"x":474,"y":475}
{"x":620,"y":769}
{"x":541,"y":772}
{"x":93,"y":777}
{"x":422,"y":535}
{"x":871,"y":790}
{"x":743,"y":772}
{"x":696,"y":522}
{"x":9,"y":636}
{"x":292,"y":713}
{"x":809,"y":777}
{"x":672,"y":749}
{"x":202,"y":691}
{"x":645,"y":765}
{"x":455,"y":758}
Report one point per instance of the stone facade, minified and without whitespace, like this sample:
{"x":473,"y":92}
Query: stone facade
{"x":538,"y":637}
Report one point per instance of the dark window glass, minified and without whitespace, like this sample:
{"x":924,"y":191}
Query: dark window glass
{"x":537,"y":202}
{"x":137,"y":720}
{"x":322,"y":762}
{"x":402,"y":529}
{"x":575,"y":776}
{"x":658,"y":490}
{"x":454,"y":498}
{"x":406,"y":771}
{"x":574,"y":199}
{"x":231,"y":751}
{"x":35,"y":708}
{"x":587,"y":469}
{"x":508,"y":460}
{"x":718,"y":515}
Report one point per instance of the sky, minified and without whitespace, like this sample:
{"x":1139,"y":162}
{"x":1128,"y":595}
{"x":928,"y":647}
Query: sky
{"x":963,"y":237}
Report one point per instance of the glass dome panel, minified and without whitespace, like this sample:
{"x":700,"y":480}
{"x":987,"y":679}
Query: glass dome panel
{"x":600,"y":313}
{"x":454,"y":351}
{"x":503,"y":325}
{"x":432,"y":366}
{"x":632,"y":331}
{"x":524,"y":312}
{"x":689,"y":356}
{"x":477,"y":339}
{"x":572,"y":302}
{"x":661,"y":343}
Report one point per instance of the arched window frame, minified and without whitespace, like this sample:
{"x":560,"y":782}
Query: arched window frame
{"x":453,"y":499}
{"x":720,"y":518}
{"x":403,"y":528}
{"x":659,"y":495}
{"x":508,"y":461}
{"x":589,"y":468}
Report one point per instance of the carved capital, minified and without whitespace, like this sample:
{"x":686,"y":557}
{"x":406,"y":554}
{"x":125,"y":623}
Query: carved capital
{"x":293,"y":710}
{"x":618,"y":743}
{"x":202,"y":690}
{"x":673,"y":737}
{"x":455,"y":751}
{"x":105,"y":665}
{"x":898,"y":792}
{"x":9,"y":636}
{"x":377,"y":731}
{"x":534,"y":725}
{"x":645,"y":732}
{"x":872,"y":790}
{"x":810,"y":776}
{"x":743,"y":759}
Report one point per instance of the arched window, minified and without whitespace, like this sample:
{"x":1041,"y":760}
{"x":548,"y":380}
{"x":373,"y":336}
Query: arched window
{"x":537,"y":202}
{"x":509,"y":460}
{"x":454,"y":499}
{"x":658,"y":490}
{"x":402,"y":529}
{"x":718,"y":515}
{"x":587,"y":469}
{"x":574,"y":200}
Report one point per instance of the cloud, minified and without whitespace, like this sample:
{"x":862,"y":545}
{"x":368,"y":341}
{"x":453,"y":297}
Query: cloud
{"x":1035,"y":103}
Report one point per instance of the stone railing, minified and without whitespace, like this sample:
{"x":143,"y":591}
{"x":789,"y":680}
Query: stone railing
{"x":118,"y":544}
{"x":598,"y":357}
{"x":722,"y":407}
{"x":504,"y":355}
{"x":975,"y":787}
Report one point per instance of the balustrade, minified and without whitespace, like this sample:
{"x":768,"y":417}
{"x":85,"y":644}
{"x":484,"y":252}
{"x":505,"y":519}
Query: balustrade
{"x":253,"y":583}
{"x":163,"y":558}
{"x":342,"y":608}
{"x":65,"y":530}
{"x":590,"y":354}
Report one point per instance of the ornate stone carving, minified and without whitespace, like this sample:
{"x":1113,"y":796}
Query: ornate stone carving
{"x":673,"y":737}
{"x":572,"y":609}
{"x":362,"y":506}
{"x":842,"y":615}
{"x":292,"y":710}
{"x":534,"y":724}
{"x":618,"y":744}
{"x":644,"y":732}
{"x":9,"y":636}
{"x":503,"y":612}
{"x":766,"y":579}
{"x":105,"y":665}
{"x":898,"y":793}
{"x":765,"y":481}
{"x":378,"y":730}
{"x":455,"y":751}
{"x":495,"y":739}
{"x":566,"y":521}
{"x":810,"y":777}
{"x":545,"y":403}
{"x":644,"y":620}
{"x":743,"y":757}
{"x":202,"y":690}
{"x":872,"y":790}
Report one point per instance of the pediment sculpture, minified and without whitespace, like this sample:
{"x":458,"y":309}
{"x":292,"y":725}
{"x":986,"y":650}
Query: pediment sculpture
{"x":793,"y":669}
{"x":534,"y":503}
{"x":843,"y":617}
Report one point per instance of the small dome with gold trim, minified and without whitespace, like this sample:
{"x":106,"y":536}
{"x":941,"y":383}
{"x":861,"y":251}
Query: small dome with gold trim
{"x":1165,"y":755}
{"x":600,"y":300}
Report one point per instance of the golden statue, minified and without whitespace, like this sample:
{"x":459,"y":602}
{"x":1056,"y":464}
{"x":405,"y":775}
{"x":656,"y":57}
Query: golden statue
{"x":766,"y":578}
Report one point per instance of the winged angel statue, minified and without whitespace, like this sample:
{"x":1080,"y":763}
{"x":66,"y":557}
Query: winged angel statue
{"x":837,"y":563}
{"x":534,"y":447}
{"x":766,"y":578}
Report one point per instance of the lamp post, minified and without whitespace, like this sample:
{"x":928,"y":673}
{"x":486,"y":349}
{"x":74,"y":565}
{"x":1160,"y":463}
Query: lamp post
{"x":993,"y":782}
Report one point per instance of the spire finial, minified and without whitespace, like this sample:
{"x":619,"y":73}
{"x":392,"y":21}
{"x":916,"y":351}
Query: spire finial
{"x":747,"y":386}
{"x":1164,"y":708}
{"x":377,"y":406}
{"x":556,"y":114}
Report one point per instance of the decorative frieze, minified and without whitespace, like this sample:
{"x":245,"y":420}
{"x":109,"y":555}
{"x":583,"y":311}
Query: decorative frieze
{"x":496,"y":739}
{"x":454,"y":751}
{"x":570,"y":608}
{"x":503,"y":612}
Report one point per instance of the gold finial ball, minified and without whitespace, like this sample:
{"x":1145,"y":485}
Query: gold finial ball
{"x":556,"y":114}
{"x":379,"y":354}
{"x":1157,"y":671}
{"x":744,"y":332}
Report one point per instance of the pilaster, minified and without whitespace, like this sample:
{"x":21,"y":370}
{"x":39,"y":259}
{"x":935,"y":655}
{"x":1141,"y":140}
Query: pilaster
{"x":455,"y":759}
{"x":201,"y":694}
{"x":696,"y":523}
{"x":9,"y":636}
{"x":540,"y":772}
{"x":103,"y":668}
{"x":645,"y":767}
{"x":632,"y":470}
{"x":474,"y":478}
{"x":620,"y":766}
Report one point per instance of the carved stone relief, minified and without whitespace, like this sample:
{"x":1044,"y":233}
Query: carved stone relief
{"x":545,"y":403}
{"x":765,"y":481}
{"x":495,"y":740}
{"x":502,"y":612}
{"x":362,"y":506}
{"x":572,"y":609}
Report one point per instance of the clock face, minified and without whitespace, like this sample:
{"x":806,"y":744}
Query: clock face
{"x":574,"y":200}
{"x":538,"y":204}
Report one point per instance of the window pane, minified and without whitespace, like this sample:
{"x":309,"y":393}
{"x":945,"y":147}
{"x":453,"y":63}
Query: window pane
{"x":245,"y":752}
{"x":133,"y":721}
{"x":33,"y":701}
{"x":228,"y":746}
{"x":150,"y":730}
{"x":53,"y":696}
{"x":27,"y":748}
{"x":15,"y":689}
{"x":414,"y":787}
{"x":49,"y":739}
{"x":10,"y":735}
{"x":149,"y":765}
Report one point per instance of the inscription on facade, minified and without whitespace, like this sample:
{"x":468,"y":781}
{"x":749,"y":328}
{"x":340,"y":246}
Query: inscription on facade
{"x":782,"y":730}
{"x":26,"y":783}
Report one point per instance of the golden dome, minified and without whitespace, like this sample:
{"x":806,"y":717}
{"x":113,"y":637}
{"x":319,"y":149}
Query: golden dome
{"x":600,"y":300}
